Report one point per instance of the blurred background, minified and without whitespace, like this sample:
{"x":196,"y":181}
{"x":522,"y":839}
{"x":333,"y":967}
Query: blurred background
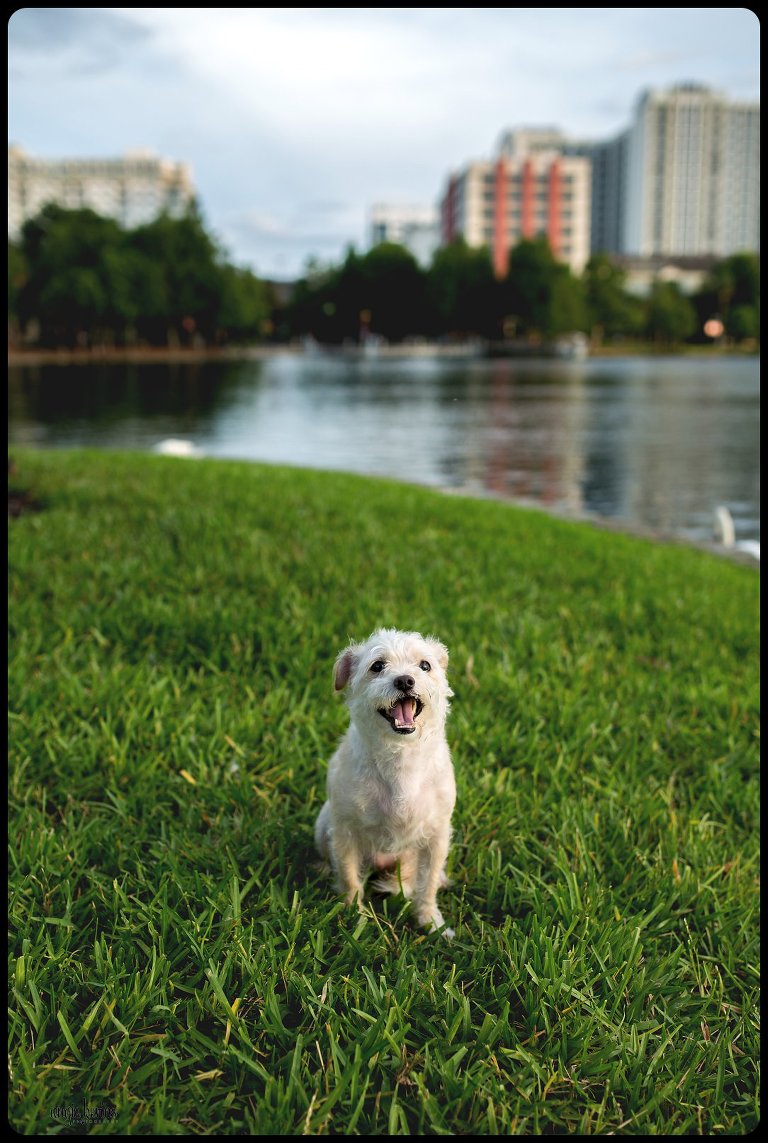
{"x":512,"y":252}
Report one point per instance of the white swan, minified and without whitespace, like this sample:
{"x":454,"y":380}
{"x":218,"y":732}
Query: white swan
{"x":172,"y":446}
{"x":725,"y":534}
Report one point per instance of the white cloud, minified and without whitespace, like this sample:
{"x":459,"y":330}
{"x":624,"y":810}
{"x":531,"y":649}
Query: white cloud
{"x":277,"y":108}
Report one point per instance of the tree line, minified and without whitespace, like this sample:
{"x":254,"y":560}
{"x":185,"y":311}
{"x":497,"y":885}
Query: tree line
{"x":76,"y":278}
{"x":79,"y":279}
{"x":384,"y":292}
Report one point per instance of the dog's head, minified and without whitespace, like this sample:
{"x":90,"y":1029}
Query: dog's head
{"x":395,"y":683}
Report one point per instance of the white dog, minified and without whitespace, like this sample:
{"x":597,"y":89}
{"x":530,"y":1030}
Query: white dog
{"x":391,"y":788}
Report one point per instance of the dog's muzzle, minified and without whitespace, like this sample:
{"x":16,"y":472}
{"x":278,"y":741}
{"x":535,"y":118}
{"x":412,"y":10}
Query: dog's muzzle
{"x":402,"y":714}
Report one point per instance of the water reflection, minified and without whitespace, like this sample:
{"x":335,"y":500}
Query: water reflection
{"x":655,"y":441}
{"x":123,"y":405}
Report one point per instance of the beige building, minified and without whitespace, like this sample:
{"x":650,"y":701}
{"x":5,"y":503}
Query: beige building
{"x":415,"y":227}
{"x":693,"y":174}
{"x":133,"y":189}
{"x":530,"y":189}
{"x":688,"y":272}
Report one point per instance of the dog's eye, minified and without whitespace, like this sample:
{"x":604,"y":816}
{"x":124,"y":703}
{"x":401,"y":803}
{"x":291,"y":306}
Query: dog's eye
{"x":425,"y":666}
{"x":378,"y":666}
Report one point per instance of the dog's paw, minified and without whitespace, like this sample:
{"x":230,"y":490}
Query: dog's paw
{"x":356,"y":897}
{"x":438,"y":925}
{"x":444,"y":930}
{"x":434,"y":923}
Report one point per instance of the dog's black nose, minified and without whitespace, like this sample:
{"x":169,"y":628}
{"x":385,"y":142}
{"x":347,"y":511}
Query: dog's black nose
{"x":404,"y":683}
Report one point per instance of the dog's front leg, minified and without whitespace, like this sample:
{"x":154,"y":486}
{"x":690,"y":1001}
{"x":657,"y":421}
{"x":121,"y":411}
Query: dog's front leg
{"x":430,"y":877}
{"x":347,"y":861}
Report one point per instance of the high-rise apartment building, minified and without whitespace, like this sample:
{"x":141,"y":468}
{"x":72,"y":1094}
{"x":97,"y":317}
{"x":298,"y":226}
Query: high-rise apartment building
{"x":133,"y":189}
{"x":692,"y":181}
{"x":681,"y":181}
{"x":531,"y":188}
{"x":607,"y":199}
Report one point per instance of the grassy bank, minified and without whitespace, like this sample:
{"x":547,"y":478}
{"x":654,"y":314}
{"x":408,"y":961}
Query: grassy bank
{"x":177,"y":963}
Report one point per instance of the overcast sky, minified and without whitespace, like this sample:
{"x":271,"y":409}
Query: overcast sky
{"x":295,"y":121}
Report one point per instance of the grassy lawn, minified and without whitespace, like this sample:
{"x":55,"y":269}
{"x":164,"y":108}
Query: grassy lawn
{"x":179,"y":966}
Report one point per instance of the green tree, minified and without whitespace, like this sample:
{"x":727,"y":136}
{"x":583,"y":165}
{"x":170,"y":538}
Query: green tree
{"x":393,"y":298}
{"x":147,"y":282}
{"x":671,"y":317}
{"x":743,"y":323}
{"x":380,"y":292}
{"x":542,"y":298}
{"x":313,"y":308}
{"x":86,"y":280}
{"x":190,"y":262}
{"x":736,"y":281}
{"x":18,"y":273}
{"x":244,"y":305}
{"x":611,"y":311}
{"x":347,"y":308}
{"x":567,"y":307}
{"x":73,"y":286}
{"x":732,"y":292}
{"x":464,"y":296}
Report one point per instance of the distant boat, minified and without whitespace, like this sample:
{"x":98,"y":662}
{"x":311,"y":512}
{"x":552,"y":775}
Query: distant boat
{"x":173,"y":446}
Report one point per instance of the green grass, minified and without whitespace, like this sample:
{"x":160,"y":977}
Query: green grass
{"x":179,"y":966}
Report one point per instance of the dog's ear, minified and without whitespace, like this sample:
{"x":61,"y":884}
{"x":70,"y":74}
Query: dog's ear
{"x":439,"y":651}
{"x":343,"y":668}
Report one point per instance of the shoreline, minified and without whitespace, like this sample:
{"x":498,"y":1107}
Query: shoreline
{"x":143,"y":355}
{"x":147,"y":355}
{"x":617,"y":525}
{"x":199,"y":355}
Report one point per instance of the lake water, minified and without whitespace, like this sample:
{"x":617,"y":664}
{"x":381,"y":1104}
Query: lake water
{"x":652,"y":441}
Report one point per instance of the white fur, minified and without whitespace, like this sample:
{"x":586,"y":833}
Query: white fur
{"x":391,"y":787}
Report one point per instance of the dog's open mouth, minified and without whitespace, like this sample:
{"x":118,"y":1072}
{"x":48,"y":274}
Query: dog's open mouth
{"x":402,"y":714}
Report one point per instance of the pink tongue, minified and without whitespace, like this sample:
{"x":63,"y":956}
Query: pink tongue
{"x":403,"y":711}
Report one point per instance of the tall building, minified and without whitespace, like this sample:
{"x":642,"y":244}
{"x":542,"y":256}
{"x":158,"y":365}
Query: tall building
{"x":681,"y":182}
{"x":692,"y":184}
{"x":415,"y":227}
{"x":531,"y":188}
{"x":607,"y":200}
{"x":133,"y":189}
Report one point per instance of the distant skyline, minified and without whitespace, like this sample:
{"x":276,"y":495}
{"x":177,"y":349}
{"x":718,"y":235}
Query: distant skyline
{"x":296,"y":121}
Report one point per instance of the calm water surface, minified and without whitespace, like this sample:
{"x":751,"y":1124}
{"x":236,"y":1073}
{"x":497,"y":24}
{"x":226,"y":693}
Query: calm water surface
{"x":658,"y":442}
